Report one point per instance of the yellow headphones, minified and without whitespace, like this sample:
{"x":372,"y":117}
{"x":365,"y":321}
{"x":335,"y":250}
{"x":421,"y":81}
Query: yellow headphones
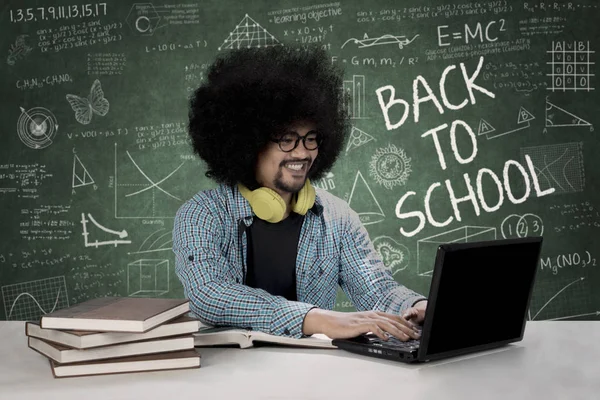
{"x":269,"y":206}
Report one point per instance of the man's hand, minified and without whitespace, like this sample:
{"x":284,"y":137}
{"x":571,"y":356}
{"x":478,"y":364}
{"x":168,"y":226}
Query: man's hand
{"x":342,"y":325}
{"x":416,"y":314}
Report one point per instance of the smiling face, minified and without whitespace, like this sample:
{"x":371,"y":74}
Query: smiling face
{"x":284,"y":172}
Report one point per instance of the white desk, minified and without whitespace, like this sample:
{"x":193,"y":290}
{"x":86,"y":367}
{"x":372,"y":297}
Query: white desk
{"x":556,"y":360}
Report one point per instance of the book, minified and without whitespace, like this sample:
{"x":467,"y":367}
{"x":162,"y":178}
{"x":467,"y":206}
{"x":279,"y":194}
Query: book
{"x":63,"y":354}
{"x":116,"y":314}
{"x":89,"y":339}
{"x":150,"y":362}
{"x":244,"y":338}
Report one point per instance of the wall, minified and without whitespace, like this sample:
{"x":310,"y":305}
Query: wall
{"x":494,"y":99}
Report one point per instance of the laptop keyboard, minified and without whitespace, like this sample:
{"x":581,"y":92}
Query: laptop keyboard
{"x":393,"y":342}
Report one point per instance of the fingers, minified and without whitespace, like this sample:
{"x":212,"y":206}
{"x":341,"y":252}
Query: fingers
{"x":396,"y":318}
{"x":400,"y":331}
{"x":395,"y":326}
{"x":373,"y":327}
{"x":411,"y":314}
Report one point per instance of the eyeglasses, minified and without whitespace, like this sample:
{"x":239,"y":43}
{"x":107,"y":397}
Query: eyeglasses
{"x":289,"y":141}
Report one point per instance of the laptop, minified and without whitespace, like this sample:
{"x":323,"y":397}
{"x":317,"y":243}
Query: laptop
{"x":478,"y":300}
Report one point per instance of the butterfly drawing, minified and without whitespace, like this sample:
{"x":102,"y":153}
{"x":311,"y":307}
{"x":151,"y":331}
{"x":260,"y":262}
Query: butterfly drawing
{"x":85,"y":107}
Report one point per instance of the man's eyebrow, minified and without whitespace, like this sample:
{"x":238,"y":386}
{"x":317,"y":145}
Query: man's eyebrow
{"x":293,"y":131}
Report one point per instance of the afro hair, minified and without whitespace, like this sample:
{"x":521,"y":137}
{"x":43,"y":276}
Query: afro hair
{"x":251,"y":94}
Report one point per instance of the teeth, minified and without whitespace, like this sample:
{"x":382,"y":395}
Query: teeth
{"x":295,"y":167}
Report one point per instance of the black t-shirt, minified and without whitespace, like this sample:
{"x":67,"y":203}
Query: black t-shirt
{"x":272,"y":249}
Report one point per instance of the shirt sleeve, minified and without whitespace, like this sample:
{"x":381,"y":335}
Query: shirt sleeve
{"x":209,"y":281}
{"x":364,"y":277}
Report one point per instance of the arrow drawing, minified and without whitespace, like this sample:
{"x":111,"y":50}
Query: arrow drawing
{"x":122,"y":234}
{"x":559,"y":292}
{"x":596,"y":313}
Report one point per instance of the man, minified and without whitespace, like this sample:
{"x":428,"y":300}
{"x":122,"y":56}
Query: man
{"x":266,"y":250}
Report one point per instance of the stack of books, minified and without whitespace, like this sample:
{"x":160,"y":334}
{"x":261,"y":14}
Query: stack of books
{"x":112,"y":335}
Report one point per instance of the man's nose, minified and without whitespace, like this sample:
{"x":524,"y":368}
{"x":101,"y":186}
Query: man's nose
{"x":300,"y":151}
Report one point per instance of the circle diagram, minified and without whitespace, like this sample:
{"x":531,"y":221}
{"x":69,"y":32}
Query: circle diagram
{"x":390,"y":166}
{"x":37,"y":127}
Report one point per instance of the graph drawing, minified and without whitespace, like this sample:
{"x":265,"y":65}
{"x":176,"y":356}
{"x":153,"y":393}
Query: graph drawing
{"x":141,"y":194}
{"x":558,"y":166}
{"x":96,"y":243}
{"x":155,"y":242}
{"x":28,"y":301}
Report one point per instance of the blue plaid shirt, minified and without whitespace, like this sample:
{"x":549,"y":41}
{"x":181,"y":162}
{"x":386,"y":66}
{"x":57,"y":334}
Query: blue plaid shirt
{"x":334,"y":249}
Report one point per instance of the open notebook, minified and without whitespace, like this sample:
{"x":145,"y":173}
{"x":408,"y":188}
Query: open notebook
{"x":244,"y":338}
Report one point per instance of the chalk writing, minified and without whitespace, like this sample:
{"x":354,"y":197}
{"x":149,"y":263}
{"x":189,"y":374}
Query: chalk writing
{"x":545,"y":6}
{"x":484,"y":33}
{"x":35,"y":14}
{"x":46,"y":222}
{"x":542,"y":26}
{"x":562,"y":262}
{"x":305,"y":14}
{"x":479,"y":49}
{"x":163,"y":135}
{"x":94,"y":134}
{"x":106,"y":63}
{"x":40,"y":82}
{"x":310,"y":35}
{"x":166,"y":47}
{"x":576,"y":216}
{"x":522,"y":77}
{"x":145,"y":18}
{"x":23,"y":179}
{"x":78,"y":35}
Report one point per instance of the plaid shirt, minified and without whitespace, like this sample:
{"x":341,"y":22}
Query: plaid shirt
{"x":209,"y":243}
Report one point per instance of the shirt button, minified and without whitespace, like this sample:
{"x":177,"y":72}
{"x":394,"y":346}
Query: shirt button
{"x":191,"y":258}
{"x":286,"y":331}
{"x":237,"y":280}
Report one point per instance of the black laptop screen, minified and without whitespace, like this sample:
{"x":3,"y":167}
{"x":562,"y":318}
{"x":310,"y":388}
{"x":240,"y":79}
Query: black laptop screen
{"x":482,"y":296}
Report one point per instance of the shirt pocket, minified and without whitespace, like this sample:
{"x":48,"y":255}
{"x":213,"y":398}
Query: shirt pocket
{"x":325,"y":270}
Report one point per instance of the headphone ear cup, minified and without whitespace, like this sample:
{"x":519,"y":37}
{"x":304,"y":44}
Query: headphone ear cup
{"x":267,"y":204}
{"x":306,"y":199}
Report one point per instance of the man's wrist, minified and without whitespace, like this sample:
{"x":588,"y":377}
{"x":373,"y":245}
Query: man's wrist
{"x":312,"y":321}
{"x":418,"y":301}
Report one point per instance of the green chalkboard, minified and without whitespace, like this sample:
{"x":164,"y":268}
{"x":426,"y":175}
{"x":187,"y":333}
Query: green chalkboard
{"x":490,"y":103}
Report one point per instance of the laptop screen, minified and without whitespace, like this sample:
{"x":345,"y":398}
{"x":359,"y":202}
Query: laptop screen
{"x":483,"y":295}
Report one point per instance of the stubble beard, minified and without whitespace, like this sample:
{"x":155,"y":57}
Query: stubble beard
{"x":285,"y":187}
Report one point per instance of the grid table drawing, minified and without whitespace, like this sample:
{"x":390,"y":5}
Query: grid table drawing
{"x":28,"y":301}
{"x":558,"y":166}
{"x":571,"y":66}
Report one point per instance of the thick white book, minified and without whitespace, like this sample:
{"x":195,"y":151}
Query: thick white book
{"x":62,"y":354}
{"x":88,"y":339}
{"x":184,"y":359}
{"x":244,"y":338}
{"x":116,"y":314}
